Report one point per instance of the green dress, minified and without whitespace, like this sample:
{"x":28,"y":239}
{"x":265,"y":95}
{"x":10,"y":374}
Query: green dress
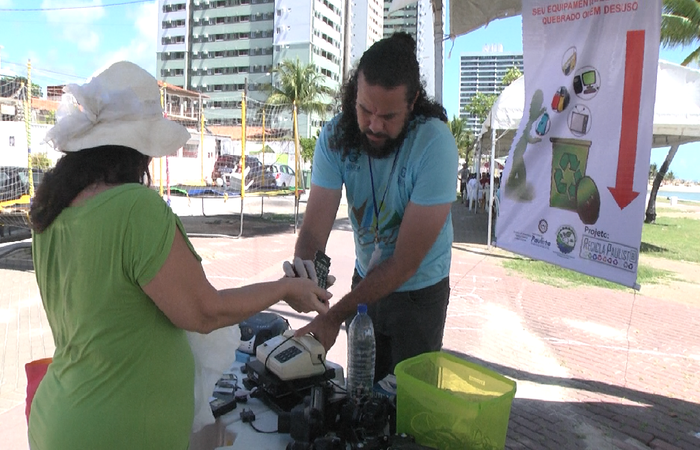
{"x":122,"y":375}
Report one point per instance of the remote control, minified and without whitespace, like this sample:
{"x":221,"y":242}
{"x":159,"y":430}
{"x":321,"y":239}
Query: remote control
{"x":322,"y":264}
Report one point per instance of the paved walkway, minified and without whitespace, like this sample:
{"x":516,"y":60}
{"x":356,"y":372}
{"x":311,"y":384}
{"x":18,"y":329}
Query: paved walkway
{"x":595,"y":368}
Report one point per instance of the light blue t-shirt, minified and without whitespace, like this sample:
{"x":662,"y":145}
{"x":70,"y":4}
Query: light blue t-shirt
{"x":424,"y":173}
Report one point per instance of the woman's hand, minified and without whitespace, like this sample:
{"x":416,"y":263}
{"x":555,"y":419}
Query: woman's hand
{"x":304,"y":295}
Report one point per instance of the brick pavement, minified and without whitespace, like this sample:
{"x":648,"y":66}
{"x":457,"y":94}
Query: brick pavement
{"x":596,"y":369}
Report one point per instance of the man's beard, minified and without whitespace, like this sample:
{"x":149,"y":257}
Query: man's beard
{"x":389,"y":146}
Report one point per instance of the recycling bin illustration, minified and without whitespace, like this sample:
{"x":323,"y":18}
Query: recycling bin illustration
{"x":569,"y":160}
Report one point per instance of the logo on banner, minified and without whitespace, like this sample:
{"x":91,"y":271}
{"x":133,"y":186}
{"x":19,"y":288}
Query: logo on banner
{"x":566,"y":239}
{"x":540,"y":241}
{"x":611,"y":254}
{"x":543,"y":226}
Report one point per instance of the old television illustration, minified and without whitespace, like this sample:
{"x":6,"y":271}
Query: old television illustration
{"x":579,"y":122}
{"x":589,"y":80}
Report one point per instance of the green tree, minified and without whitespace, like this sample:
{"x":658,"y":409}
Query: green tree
{"x":653,"y":170}
{"x":302,"y":85}
{"x":670,"y":177}
{"x":17,"y":83}
{"x":511,"y":75}
{"x":463,"y":137}
{"x":308,"y":145}
{"x":40,"y":161}
{"x":480,"y":105}
{"x":680,"y":27}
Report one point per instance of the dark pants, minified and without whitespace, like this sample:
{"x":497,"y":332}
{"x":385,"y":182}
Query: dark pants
{"x":407,"y":324}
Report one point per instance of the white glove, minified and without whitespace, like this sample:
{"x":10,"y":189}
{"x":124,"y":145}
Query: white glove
{"x":304,"y":268}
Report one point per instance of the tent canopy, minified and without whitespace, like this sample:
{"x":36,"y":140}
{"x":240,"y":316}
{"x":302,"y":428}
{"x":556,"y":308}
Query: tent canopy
{"x":468,"y":15}
{"x":676,"y":110}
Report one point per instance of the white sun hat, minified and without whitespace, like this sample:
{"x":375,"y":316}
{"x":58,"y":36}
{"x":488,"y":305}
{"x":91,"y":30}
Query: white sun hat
{"x":119,"y":106}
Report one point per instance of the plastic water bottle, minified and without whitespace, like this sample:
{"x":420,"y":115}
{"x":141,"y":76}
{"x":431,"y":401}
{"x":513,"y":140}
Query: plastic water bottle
{"x":362,"y":349}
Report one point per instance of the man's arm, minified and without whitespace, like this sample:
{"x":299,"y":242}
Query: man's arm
{"x":419,"y":229}
{"x":319,"y":216}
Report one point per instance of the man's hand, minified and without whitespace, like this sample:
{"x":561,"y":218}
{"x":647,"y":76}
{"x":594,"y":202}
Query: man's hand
{"x":304,"y":268}
{"x":324,"y":329}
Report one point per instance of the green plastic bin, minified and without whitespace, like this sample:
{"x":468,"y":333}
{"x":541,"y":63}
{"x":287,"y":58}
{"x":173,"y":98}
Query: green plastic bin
{"x":307,"y":179}
{"x":451,"y":404}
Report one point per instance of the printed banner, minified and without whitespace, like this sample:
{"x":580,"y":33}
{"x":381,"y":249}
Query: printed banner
{"x":574,"y":187}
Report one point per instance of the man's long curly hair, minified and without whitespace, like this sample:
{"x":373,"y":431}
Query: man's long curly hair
{"x":75,"y":171}
{"x":388,"y":63}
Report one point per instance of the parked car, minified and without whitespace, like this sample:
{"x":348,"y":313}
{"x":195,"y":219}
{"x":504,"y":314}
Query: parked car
{"x":227,"y":169}
{"x":284,"y":175}
{"x":14,"y":183}
{"x":225,"y":164}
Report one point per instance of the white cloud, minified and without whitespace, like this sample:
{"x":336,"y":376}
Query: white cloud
{"x":141,"y":49}
{"x":5,"y":3}
{"x":77,"y":25}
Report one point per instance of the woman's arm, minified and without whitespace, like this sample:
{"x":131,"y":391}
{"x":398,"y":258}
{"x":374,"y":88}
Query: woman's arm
{"x":182,"y":291}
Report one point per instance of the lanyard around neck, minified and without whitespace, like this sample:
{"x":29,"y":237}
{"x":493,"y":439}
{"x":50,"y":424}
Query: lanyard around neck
{"x":386,"y":188}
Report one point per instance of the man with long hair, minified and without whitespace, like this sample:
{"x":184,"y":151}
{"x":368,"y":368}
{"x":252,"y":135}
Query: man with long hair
{"x":392,"y":150}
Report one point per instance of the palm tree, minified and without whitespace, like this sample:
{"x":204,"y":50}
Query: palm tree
{"x":463,"y":137}
{"x":301,"y":85}
{"x":680,"y":27}
{"x":653,"y":170}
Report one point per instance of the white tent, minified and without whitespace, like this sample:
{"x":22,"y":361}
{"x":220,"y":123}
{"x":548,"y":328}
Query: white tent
{"x":676,"y":112}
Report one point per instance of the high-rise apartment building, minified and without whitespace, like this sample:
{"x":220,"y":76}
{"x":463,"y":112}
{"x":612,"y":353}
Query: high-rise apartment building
{"x":417,"y":20}
{"x":218,"y":47}
{"x":365,"y":20}
{"x":483,"y":72}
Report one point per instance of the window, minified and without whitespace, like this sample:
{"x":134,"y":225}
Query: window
{"x":190,"y":150}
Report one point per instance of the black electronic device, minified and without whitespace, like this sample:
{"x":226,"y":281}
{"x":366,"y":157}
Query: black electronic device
{"x":578,"y":85}
{"x":222,"y":403}
{"x":259,"y":328}
{"x":281,"y":395}
{"x":322,"y":264}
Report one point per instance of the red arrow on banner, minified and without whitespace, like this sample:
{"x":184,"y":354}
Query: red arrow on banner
{"x":631,"y":100}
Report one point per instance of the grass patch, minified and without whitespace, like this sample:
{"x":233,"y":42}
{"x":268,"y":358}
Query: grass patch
{"x":275,"y":217}
{"x":674,"y":211}
{"x":672,"y":238}
{"x":546,"y":273}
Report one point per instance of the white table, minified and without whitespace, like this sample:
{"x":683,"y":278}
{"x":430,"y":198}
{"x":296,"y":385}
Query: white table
{"x":230,"y":433}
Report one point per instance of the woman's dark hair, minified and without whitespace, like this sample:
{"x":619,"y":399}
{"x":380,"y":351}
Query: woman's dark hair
{"x":111,"y":164}
{"x":388,"y":63}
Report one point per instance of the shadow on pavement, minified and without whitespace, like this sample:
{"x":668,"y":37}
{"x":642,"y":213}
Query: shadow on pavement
{"x":600,"y":415}
{"x":17,"y":256}
{"x":469,"y":227}
{"x":230,"y":225}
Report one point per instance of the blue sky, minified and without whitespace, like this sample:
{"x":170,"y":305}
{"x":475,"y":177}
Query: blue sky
{"x":68,"y":44}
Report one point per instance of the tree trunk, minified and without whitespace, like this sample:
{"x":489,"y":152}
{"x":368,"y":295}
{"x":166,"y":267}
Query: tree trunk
{"x":651,"y":206}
